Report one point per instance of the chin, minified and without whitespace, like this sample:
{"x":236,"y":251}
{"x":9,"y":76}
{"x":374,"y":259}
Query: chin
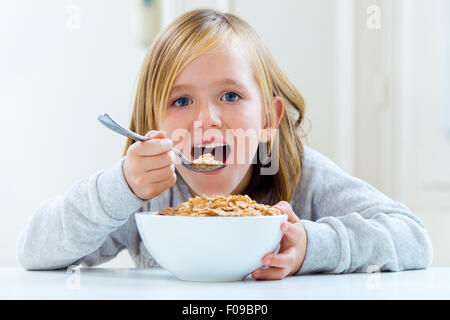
{"x":221,"y":182}
{"x":211,"y":186}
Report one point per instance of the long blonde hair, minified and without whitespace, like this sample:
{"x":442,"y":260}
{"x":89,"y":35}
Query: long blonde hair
{"x":196,"y":32}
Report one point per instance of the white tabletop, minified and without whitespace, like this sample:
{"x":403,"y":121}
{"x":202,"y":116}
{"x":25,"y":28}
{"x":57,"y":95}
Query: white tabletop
{"x":98,"y":283}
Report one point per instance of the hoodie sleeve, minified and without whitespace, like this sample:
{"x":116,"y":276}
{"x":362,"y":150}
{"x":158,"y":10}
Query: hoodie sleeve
{"x":76,"y":227}
{"x":353,"y":226}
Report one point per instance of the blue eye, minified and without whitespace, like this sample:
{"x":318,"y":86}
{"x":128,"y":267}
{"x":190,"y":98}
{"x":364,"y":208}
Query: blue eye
{"x":182,"y":102}
{"x":231,"y":97}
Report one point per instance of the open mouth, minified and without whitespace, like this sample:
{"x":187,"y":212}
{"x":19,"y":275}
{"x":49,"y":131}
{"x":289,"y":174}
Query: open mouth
{"x":219,"y":151}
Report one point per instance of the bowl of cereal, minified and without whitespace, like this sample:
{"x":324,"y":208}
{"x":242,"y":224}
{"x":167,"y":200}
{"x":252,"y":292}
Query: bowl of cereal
{"x":216,"y":238}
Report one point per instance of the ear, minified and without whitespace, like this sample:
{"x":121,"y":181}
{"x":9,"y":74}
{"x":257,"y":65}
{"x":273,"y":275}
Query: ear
{"x":267,"y":134}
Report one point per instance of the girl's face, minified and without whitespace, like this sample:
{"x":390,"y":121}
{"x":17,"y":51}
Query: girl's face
{"x":215,"y":100}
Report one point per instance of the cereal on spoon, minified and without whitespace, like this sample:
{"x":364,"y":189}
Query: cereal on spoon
{"x":205,"y":162}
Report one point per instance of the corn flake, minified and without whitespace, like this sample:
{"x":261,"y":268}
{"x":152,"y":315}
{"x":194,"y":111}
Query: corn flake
{"x":223,"y":206}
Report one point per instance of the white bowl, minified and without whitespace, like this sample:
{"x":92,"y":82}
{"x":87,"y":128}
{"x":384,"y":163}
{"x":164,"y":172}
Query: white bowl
{"x":209,"y":248}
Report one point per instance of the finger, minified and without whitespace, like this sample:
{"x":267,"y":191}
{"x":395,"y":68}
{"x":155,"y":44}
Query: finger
{"x":150,"y":148}
{"x":165,"y":184}
{"x":291,"y":234}
{"x":280,"y":260}
{"x":155,"y":189}
{"x":285,"y":208}
{"x":155,"y":134}
{"x":157,"y":162}
{"x":161,"y":174}
{"x":153,"y":147}
{"x":270,"y":274}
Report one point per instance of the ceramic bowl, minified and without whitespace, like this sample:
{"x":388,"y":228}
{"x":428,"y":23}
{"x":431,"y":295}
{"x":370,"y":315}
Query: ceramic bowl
{"x":209,"y":248}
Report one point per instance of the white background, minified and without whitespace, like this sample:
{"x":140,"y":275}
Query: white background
{"x":364,"y":103}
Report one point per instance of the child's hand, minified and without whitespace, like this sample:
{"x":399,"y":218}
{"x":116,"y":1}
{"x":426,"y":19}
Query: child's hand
{"x":148,"y":167}
{"x":292,"y":249}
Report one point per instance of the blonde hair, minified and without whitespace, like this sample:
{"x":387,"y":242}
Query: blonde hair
{"x":196,"y":32}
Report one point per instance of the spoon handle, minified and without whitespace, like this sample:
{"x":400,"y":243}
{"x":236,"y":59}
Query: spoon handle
{"x":106,"y":120}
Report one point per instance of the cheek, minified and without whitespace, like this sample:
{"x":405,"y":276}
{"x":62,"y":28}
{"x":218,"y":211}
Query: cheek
{"x":175,"y":120}
{"x":247,"y":115}
{"x":245,"y":141}
{"x":245,"y":123}
{"x":177,"y":129}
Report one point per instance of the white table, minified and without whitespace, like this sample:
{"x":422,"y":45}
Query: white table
{"x":98,"y":283}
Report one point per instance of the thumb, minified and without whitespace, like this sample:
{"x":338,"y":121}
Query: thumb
{"x":285,"y":207}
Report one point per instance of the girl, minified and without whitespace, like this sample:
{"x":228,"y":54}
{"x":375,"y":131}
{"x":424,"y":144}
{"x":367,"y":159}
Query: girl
{"x":209,"y":71}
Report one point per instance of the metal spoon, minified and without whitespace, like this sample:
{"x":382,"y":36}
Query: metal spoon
{"x":108,"y":122}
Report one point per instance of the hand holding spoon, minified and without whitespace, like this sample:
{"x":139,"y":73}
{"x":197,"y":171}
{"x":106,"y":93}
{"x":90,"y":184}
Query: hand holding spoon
{"x":108,"y":122}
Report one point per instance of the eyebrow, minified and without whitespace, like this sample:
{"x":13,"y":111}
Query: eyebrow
{"x":217,"y":82}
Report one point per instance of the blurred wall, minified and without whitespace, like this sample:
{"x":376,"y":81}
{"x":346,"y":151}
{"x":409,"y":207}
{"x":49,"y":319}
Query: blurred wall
{"x":56,"y":79}
{"x":401,"y":101}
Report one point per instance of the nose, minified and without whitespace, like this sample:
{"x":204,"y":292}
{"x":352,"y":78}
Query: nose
{"x":209,"y":115}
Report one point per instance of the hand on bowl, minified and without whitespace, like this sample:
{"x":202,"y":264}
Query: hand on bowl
{"x":291,"y":255}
